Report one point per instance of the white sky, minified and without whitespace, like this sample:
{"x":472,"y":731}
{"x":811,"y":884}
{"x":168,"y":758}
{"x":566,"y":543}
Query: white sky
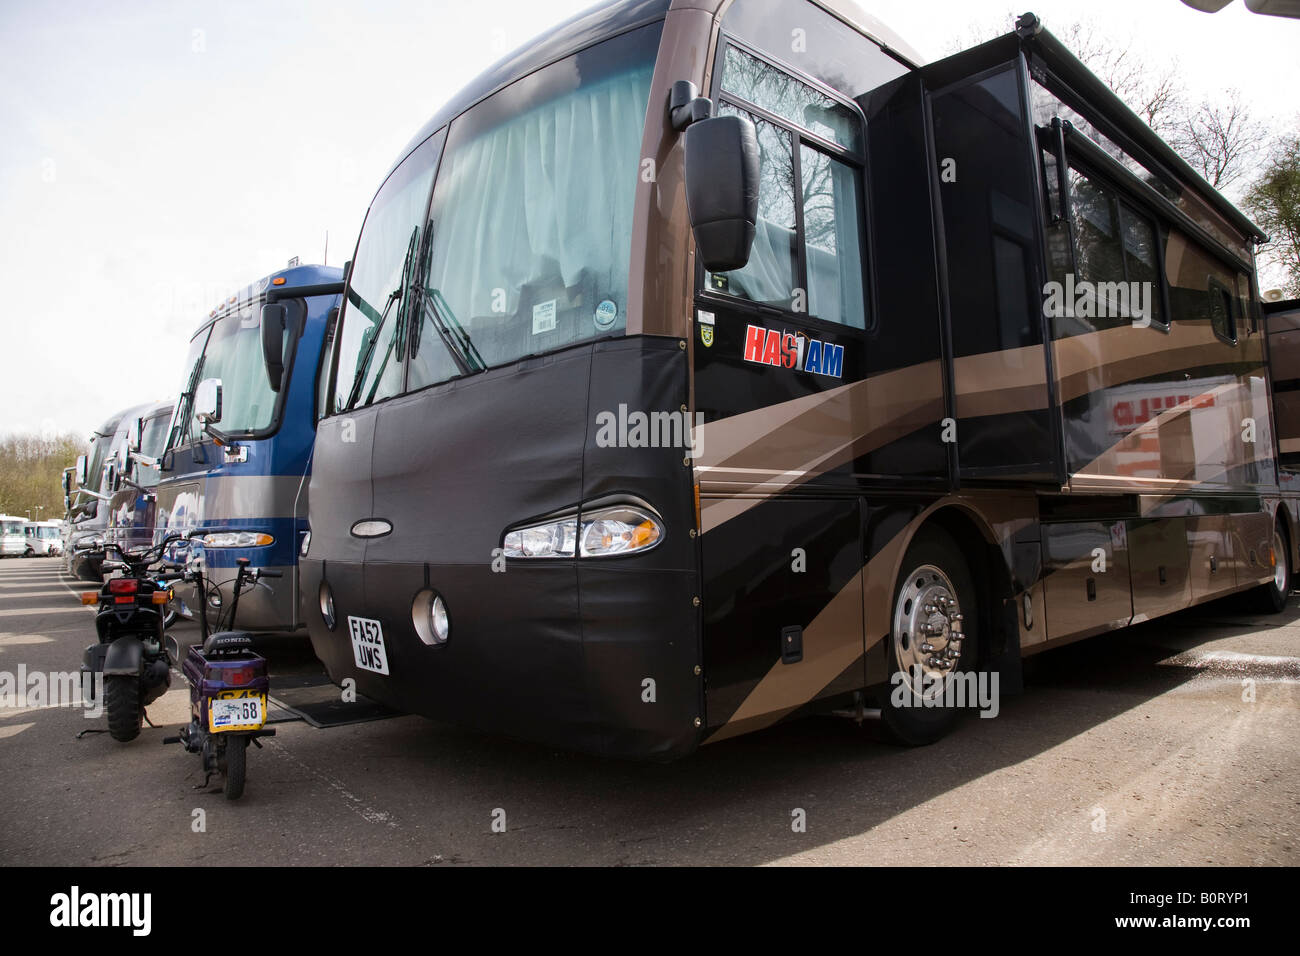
{"x":157,"y":156}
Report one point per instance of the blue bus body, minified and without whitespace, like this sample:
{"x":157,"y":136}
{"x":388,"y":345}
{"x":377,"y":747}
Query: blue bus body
{"x":256,"y":481}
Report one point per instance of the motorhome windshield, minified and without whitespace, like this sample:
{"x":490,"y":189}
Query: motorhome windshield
{"x":152,"y":442}
{"x":529,"y":234}
{"x":98,"y":453}
{"x":539,"y":260}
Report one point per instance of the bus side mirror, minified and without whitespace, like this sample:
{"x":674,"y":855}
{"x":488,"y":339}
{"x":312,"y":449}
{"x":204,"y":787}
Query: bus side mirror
{"x":110,"y":476}
{"x":722,"y":190}
{"x":207,"y":401}
{"x":136,"y":436}
{"x":82,"y":477}
{"x":67,"y":481}
{"x":273,"y":325}
{"x":67,"y":503}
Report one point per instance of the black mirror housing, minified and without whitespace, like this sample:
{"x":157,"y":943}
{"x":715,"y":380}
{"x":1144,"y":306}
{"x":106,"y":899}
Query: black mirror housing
{"x":274,"y":321}
{"x":722,"y":190}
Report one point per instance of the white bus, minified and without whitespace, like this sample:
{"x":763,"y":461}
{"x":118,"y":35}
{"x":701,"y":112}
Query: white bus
{"x":43,"y":538}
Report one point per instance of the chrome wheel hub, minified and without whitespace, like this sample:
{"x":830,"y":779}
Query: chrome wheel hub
{"x":1279,"y":564}
{"x":928,"y":630}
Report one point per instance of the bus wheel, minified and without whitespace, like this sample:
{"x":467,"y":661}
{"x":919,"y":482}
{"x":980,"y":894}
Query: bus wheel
{"x":932,"y":638}
{"x":1271,"y":598}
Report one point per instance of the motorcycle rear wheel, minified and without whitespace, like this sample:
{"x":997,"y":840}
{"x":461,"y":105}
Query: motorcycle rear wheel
{"x":236,"y":766}
{"x":122,"y":701}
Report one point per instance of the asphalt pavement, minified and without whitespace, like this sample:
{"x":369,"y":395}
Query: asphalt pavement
{"x":1169,"y":743}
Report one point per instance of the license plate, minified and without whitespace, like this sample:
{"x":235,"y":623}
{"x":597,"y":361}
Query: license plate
{"x":236,"y":710}
{"x":368,"y":644}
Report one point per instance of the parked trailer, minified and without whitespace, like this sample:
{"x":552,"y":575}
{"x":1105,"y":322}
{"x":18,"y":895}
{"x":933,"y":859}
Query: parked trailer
{"x":948,"y":364}
{"x":239,"y":452}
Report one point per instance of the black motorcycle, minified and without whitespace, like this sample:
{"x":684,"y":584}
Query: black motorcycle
{"x":131,"y":653}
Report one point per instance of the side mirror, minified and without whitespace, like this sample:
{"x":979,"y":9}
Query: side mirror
{"x":136,"y":436}
{"x":207,"y":401}
{"x":274,"y":320}
{"x":67,"y":481}
{"x":110,"y":476}
{"x":722,"y":190}
{"x":67,"y":503}
{"x":82,"y":477}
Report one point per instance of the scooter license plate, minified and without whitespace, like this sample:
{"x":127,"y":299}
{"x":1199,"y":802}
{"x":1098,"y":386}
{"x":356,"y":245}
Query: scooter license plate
{"x":236,"y":710}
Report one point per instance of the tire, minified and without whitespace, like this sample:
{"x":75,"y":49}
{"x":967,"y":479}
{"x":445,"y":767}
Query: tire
{"x":933,"y":575}
{"x":1271,"y":598}
{"x":122,"y":702}
{"x":236,"y":766}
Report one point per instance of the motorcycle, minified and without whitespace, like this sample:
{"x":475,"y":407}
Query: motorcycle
{"x":131,"y":653}
{"x":228,"y":689}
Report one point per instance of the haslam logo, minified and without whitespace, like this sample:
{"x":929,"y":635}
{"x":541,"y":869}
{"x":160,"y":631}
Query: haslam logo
{"x":102,"y":909}
{"x":791,"y":350}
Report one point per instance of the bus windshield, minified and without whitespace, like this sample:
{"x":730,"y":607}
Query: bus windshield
{"x":530,"y":229}
{"x":231,"y":350}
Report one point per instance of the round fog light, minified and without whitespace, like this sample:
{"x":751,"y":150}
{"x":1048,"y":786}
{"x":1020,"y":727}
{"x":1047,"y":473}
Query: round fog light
{"x":429,"y":616}
{"x":327,"y":604}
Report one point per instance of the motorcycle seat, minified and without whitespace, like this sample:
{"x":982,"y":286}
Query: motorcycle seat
{"x":228,"y":642}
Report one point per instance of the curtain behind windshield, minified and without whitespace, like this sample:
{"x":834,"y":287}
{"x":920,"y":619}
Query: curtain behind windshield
{"x":532,"y":212}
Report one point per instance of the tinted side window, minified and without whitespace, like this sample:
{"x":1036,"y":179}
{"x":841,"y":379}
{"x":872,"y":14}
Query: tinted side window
{"x":808,"y":250}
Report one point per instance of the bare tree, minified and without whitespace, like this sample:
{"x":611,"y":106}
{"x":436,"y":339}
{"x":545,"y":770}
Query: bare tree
{"x":1219,"y":139}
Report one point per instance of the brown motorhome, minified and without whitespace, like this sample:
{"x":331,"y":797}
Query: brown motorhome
{"x":706,"y":363}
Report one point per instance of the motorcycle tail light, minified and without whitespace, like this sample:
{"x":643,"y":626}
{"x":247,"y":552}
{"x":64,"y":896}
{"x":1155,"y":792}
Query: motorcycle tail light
{"x":123,"y":586}
{"x":238,"y":676}
{"x":124,"y":599}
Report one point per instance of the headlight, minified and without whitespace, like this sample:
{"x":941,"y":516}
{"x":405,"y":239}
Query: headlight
{"x":603,"y":532}
{"x":552,"y":540}
{"x":236,"y":539}
{"x":618,"y":531}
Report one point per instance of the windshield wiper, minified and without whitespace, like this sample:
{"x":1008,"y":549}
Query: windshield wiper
{"x":463,"y":351}
{"x":369,"y":311}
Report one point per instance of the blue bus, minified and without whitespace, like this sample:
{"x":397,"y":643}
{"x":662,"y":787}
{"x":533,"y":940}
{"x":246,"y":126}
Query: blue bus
{"x":238,"y":454}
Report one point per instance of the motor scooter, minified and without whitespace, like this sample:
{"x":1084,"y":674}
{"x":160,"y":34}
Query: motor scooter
{"x":228,"y":688}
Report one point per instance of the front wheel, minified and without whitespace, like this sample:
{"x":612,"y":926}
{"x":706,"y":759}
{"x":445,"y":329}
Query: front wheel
{"x":236,"y":766}
{"x":1271,"y":598}
{"x":122,"y":702}
{"x":933,"y":638}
